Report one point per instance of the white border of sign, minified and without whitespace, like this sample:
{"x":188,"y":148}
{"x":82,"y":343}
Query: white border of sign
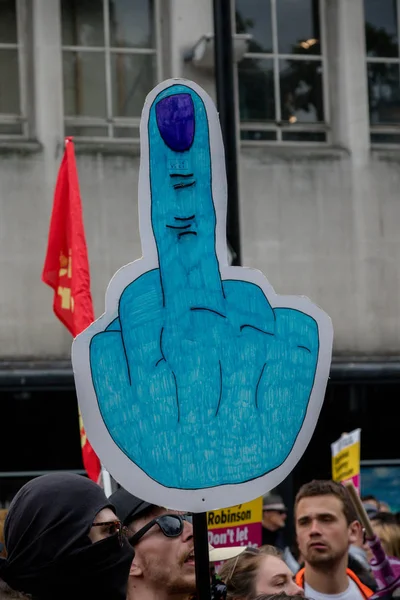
{"x":117,"y":463}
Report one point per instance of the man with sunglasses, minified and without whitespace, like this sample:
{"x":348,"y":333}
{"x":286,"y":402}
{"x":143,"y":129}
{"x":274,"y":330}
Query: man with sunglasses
{"x":163,"y":567}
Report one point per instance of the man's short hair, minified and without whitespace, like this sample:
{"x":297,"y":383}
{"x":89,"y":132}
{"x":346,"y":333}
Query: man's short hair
{"x":128,"y":507}
{"x":327,"y":487}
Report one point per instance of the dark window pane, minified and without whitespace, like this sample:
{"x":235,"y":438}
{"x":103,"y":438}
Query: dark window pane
{"x":11,"y":129}
{"x":82,"y":22}
{"x":258,"y":136}
{"x":133,"y":76}
{"x":381,"y":28}
{"x":253,"y":16}
{"x":384,"y":93}
{"x":9,"y":72}
{"x":86,"y":131}
{"x":126,"y":132}
{"x":298,"y":26}
{"x":45,"y":447}
{"x":131,"y":23}
{"x":256,"y":90}
{"x":84,"y":84}
{"x":385,"y":138}
{"x":8,"y":22}
{"x":301,"y":91}
{"x":304,"y":136}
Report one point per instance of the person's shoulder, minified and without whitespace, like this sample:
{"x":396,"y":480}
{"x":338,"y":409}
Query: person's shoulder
{"x":299,"y":577}
{"x":365,"y":590}
{"x":6,"y":593}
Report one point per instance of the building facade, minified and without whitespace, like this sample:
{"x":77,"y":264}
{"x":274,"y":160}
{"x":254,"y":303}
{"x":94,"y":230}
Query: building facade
{"x":318,"y":119}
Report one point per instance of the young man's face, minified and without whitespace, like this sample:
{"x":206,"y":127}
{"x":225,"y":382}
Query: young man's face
{"x":323,"y":535}
{"x":164,"y":562}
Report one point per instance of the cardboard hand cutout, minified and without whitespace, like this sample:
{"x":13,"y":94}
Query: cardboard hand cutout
{"x":199,"y":386}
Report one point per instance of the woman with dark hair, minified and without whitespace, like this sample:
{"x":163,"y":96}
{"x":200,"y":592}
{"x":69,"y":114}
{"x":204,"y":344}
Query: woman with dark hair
{"x":64,"y":542}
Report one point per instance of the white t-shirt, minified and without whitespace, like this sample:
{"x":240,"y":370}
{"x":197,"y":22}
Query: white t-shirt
{"x":352,"y":593}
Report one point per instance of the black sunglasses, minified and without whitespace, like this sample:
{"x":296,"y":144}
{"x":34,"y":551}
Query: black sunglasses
{"x":113,"y":528}
{"x":170,"y":525}
{"x":279,"y":511}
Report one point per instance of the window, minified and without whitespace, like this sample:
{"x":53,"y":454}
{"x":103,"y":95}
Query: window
{"x":282,"y":78}
{"x":13,"y":121}
{"x":382,"y":479}
{"x":49,"y":430}
{"x":383,"y":69}
{"x":110,"y":63}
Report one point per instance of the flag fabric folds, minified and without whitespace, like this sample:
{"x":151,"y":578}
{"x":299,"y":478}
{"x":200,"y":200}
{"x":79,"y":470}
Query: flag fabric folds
{"x":66,"y":269}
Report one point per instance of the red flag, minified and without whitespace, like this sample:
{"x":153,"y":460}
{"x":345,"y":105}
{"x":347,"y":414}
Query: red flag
{"x":66,"y":269}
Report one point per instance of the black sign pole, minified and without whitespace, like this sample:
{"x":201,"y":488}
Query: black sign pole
{"x":224,"y":81}
{"x":202,"y":559}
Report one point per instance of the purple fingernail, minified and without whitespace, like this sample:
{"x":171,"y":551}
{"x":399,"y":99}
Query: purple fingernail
{"x":175,"y":120}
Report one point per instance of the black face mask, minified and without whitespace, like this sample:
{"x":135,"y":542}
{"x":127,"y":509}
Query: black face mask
{"x":97,"y":571}
{"x":50,"y":554}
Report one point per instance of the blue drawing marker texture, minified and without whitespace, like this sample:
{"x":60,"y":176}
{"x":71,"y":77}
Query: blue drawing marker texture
{"x":199,"y":381}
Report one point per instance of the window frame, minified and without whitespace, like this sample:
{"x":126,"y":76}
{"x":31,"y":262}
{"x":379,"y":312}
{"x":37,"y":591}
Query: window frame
{"x":22,"y":45}
{"x":278,"y":126}
{"x":110,"y":121}
{"x":383,"y":129}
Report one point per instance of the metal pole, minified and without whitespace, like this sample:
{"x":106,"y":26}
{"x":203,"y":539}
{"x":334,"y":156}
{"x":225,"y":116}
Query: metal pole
{"x":202,"y":559}
{"x":106,"y":480}
{"x":224,"y":64}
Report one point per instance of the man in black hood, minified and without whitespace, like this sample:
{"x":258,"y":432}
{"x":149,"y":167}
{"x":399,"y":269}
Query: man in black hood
{"x":64,"y":541}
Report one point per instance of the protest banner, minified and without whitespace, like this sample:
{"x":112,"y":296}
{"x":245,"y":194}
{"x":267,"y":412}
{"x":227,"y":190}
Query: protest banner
{"x":346,"y":458}
{"x":239,"y":525}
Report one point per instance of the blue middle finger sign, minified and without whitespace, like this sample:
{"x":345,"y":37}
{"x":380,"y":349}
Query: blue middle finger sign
{"x":199,"y":380}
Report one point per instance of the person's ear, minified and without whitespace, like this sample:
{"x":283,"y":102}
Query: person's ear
{"x":355,"y":532}
{"x":136,"y":569}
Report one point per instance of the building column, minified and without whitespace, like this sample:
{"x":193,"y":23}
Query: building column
{"x":348,"y":77}
{"x":48,"y":80}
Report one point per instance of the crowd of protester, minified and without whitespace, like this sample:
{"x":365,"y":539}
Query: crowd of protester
{"x":63,"y":539}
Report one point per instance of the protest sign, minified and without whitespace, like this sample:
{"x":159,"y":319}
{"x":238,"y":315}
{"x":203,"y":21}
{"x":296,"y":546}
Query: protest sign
{"x":239,"y":525}
{"x":346,"y":458}
{"x":198,"y":383}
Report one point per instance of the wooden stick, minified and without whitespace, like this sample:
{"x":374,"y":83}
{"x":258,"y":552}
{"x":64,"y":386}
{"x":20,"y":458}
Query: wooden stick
{"x":358,"y":505}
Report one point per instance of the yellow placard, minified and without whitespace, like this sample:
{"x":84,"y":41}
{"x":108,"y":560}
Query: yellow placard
{"x":346,"y":463}
{"x":242,"y":514}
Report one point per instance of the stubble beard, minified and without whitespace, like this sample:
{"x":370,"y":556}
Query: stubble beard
{"x":325,"y":560}
{"x":175,"y":582}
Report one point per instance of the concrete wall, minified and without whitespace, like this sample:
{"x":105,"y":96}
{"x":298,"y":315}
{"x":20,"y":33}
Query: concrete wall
{"x":318,"y":226}
{"x":108,"y":187}
{"x":321,"y":223}
{"x":315,"y":225}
